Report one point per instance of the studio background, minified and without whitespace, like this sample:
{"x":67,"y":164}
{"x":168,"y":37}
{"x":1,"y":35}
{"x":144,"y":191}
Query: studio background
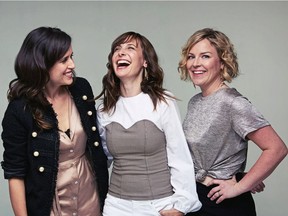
{"x":259,"y":31}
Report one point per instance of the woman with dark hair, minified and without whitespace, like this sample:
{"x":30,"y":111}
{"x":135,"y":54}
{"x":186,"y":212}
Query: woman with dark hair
{"x":140,"y":124}
{"x":218,"y":125}
{"x":53,"y":156}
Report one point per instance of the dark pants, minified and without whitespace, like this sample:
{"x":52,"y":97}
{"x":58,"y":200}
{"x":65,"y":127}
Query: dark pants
{"x":242,"y":205}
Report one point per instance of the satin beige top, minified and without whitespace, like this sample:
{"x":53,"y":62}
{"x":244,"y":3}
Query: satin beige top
{"x":76,"y":191}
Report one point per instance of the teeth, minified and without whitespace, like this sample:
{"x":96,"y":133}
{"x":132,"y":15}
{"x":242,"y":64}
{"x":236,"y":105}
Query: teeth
{"x":123,"y":62}
{"x":68,"y":74}
{"x":197,"y":72}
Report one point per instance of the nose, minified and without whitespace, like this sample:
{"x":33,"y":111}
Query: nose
{"x":71,"y":64}
{"x":121,"y":52}
{"x":196,"y":62}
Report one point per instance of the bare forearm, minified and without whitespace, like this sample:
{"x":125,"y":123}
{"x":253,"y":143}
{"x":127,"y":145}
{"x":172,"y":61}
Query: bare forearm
{"x":274,"y":151}
{"x":263,"y":167}
{"x":17,"y":196}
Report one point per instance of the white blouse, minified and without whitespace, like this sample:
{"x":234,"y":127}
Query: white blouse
{"x":166,"y":117}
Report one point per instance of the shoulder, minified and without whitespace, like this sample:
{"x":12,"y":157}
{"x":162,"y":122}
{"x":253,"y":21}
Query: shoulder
{"x":228,"y":97}
{"x":99,"y":108}
{"x":17,"y":105}
{"x":194,"y":98}
{"x":80,"y":81}
{"x":17,"y":110}
{"x":81,"y":86}
{"x":170,"y":102}
{"x":169,"y":98}
{"x":238,"y":101}
{"x":169,"y":93}
{"x":242,"y":106}
{"x":231,"y":93}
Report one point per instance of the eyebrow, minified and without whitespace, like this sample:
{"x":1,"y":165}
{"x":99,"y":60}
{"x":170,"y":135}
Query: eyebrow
{"x":132,"y":44}
{"x":207,"y":52}
{"x":65,"y":57}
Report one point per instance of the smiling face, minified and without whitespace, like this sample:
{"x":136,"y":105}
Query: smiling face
{"x":128,"y":61}
{"x":204,"y":66}
{"x":61,"y":73}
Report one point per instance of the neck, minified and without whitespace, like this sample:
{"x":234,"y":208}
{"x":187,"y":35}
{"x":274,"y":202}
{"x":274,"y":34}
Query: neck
{"x":53,"y":94}
{"x":130,"y":89}
{"x":213,"y":88}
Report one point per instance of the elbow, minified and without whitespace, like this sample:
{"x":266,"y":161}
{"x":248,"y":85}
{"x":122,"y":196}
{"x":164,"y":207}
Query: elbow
{"x":282,"y":152}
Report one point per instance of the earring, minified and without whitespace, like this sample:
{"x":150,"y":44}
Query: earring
{"x":145,"y":74}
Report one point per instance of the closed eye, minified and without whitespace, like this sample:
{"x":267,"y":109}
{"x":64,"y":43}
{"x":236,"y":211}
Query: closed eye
{"x":131,"y":47}
{"x":116,"y":48}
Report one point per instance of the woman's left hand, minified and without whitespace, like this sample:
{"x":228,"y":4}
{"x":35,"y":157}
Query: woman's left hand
{"x":225,"y":189}
{"x":171,"y":212}
{"x":258,"y":188}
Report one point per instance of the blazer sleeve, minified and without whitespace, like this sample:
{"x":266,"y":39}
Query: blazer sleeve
{"x":15,"y":139}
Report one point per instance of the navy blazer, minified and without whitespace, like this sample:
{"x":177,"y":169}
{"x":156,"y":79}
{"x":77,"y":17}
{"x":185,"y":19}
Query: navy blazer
{"x":32,"y":154}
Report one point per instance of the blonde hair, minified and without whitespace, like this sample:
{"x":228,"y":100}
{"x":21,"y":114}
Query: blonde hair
{"x":223,"y":46}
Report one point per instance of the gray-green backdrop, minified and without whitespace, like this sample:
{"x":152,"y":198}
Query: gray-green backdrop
{"x":259,"y":31}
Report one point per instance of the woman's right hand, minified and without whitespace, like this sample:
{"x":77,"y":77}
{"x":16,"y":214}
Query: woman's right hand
{"x":171,"y":212}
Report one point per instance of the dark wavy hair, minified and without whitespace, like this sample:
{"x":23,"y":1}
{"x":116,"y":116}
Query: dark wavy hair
{"x":40,"y":50}
{"x":152,"y":84}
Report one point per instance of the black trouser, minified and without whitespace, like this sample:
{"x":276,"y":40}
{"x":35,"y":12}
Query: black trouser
{"x":242,"y":205}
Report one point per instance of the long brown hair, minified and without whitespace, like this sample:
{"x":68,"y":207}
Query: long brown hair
{"x":152,"y":82}
{"x":40,"y":50}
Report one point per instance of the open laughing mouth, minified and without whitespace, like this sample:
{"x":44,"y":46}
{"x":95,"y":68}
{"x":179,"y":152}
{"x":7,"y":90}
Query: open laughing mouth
{"x":123,"y":63}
